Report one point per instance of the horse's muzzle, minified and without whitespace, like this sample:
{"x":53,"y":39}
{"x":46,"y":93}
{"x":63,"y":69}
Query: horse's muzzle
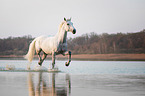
{"x":74,"y":31}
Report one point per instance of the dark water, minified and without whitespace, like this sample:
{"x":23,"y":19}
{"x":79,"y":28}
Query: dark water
{"x":85,"y":78}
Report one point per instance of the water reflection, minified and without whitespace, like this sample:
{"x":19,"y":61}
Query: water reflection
{"x":48,"y":85}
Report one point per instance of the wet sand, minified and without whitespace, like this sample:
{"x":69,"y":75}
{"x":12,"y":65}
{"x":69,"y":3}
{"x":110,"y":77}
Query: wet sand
{"x":102,"y":57}
{"x":110,"y":56}
{"x":62,"y":84}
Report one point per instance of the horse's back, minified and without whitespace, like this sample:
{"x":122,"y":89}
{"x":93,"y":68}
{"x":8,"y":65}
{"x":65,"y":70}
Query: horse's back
{"x":45,"y":43}
{"x":41,"y":38}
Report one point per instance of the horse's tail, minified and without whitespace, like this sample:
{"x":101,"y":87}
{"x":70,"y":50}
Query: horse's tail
{"x":29,"y":56}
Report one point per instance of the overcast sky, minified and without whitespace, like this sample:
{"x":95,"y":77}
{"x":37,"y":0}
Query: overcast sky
{"x":42,"y":17}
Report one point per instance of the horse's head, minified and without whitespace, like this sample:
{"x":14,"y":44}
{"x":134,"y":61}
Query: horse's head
{"x":69,"y":26}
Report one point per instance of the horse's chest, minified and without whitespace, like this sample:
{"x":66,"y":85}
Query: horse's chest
{"x":62,"y":48}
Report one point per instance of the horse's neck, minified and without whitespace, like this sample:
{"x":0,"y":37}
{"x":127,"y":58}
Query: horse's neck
{"x":61,"y":36}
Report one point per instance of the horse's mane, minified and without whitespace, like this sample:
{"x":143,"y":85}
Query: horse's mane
{"x":60,"y":26}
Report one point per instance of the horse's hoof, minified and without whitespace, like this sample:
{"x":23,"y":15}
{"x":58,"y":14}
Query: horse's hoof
{"x":39,"y":63}
{"x":40,"y":68}
{"x":53,"y":70}
{"x":66,"y":64}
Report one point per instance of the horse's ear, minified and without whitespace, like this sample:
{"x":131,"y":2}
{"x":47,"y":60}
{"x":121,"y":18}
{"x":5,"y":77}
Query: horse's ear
{"x":64,"y":19}
{"x":69,"y":19}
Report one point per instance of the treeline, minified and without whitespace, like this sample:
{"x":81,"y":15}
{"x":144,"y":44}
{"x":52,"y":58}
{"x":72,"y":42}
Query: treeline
{"x":108,"y":43}
{"x":86,"y":44}
{"x":15,"y":45}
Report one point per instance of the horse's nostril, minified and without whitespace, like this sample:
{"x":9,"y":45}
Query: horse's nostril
{"x":74,"y":31}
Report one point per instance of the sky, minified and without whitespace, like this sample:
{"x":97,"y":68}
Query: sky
{"x":42,"y":17}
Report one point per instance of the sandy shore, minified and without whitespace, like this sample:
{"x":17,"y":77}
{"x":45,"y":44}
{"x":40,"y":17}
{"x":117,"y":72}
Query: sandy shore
{"x":110,"y":56}
{"x":93,"y":57}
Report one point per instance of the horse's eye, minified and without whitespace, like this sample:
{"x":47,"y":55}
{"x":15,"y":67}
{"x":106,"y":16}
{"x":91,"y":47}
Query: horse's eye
{"x":67,"y":23}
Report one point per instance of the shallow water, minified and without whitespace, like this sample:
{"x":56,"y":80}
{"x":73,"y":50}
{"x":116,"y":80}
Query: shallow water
{"x":83,"y":67}
{"x":106,"y":78}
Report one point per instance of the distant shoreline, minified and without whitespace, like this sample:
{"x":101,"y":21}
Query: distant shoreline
{"x":111,"y":57}
{"x":94,"y":57}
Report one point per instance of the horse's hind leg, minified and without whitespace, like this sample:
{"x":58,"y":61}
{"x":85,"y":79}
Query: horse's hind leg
{"x":39,"y":56}
{"x":43,"y":57}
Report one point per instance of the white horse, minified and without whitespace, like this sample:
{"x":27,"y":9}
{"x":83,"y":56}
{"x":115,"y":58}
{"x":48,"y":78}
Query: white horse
{"x":52,"y":45}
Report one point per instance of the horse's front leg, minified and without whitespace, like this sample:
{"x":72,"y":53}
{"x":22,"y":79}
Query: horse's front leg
{"x":53,"y":59}
{"x":69,"y":58}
